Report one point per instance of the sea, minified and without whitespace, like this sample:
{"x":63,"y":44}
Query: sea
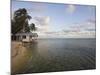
{"x":52,"y":55}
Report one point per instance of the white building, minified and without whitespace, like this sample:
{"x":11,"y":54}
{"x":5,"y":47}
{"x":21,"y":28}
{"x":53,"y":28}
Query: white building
{"x":25,"y":37}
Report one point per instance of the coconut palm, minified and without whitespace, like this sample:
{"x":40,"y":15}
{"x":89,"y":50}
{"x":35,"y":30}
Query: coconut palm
{"x":20,"y":21}
{"x":32,"y":27}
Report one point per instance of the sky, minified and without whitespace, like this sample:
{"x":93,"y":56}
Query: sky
{"x":55,"y":20}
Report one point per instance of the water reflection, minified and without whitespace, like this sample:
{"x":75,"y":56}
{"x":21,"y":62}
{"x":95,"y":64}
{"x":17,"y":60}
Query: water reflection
{"x":55,"y":55}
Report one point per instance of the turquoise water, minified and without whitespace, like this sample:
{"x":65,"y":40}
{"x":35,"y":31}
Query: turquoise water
{"x":50,"y":55}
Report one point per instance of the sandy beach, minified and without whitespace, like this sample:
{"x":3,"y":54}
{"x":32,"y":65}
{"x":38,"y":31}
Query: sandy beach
{"x":19,"y":56}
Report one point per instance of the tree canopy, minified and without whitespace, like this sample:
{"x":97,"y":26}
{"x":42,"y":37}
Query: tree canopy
{"x":20,"y":20}
{"x":32,"y":27}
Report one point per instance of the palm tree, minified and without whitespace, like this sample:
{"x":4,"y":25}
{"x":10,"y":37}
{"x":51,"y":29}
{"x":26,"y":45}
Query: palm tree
{"x":32,"y":27}
{"x":20,"y":21}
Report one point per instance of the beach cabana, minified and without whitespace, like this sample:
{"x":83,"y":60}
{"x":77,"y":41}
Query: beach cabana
{"x":25,"y":36}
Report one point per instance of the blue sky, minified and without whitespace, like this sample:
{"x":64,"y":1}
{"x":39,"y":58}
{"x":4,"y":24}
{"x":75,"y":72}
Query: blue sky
{"x":56,"y":19}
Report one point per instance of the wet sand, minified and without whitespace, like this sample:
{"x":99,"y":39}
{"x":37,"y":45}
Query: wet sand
{"x":19,"y":56}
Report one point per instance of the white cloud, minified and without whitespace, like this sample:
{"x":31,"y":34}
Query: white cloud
{"x":71,"y":8}
{"x":42,"y":23}
{"x":42,"y":20}
{"x":85,"y":29}
{"x":81,"y":30}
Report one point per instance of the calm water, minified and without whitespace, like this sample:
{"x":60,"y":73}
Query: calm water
{"x":48,"y":55}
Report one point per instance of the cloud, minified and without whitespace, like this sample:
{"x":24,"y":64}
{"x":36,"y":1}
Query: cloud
{"x":84,"y":29}
{"x":71,"y":8}
{"x":42,"y":22}
{"x":91,"y":21}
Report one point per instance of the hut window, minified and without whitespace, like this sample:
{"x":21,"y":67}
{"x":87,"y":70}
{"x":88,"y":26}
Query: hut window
{"x":24,"y":37}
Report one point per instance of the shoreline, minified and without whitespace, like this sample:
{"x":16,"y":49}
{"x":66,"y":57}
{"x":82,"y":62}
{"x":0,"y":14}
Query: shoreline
{"x":18,"y":56}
